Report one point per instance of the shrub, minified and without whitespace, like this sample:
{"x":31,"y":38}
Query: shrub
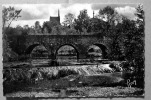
{"x":117,"y":66}
{"x":65,"y":72}
{"x":31,"y":75}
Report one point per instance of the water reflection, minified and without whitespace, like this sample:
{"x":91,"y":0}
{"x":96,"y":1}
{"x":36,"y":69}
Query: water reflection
{"x":63,"y":61}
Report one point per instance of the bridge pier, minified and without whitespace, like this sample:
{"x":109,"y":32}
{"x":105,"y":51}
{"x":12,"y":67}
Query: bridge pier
{"x":51,"y":56}
{"x":82,"y":56}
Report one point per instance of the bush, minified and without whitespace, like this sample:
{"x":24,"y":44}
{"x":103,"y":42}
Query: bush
{"x":29,"y":75}
{"x":66,"y":72}
{"x":117,"y":66}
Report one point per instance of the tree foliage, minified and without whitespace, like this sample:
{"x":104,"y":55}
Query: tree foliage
{"x":107,"y":14}
{"x":69,"y":18}
{"x":46,"y":27}
{"x":8,"y":15}
{"x":97,"y":26}
{"x":82,"y":22}
{"x":38,"y":29}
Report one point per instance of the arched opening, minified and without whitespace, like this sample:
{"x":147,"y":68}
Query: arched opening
{"x":97,"y":52}
{"x":30,"y":48}
{"x":38,"y":55}
{"x":37,"y":51}
{"x":67,"y":54}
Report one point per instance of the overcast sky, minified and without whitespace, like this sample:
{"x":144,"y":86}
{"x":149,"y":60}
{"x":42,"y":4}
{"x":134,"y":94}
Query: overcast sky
{"x":42,"y":12}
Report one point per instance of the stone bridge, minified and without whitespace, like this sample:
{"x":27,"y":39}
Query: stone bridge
{"x":52,"y":43}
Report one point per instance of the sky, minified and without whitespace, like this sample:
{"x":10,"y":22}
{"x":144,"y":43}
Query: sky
{"x":41,"y":12}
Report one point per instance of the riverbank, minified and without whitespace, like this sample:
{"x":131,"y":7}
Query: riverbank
{"x":108,"y":92}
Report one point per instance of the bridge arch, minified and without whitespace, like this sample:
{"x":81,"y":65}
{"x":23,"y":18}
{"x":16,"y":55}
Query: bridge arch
{"x":102,"y":47}
{"x":30,"y":48}
{"x":75,"y":48}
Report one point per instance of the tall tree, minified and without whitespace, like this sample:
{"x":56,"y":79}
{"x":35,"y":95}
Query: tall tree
{"x":25,"y":30}
{"x":140,"y":17}
{"x":8,"y":15}
{"x":140,"y":11}
{"x":45,"y":30}
{"x":31,"y":30}
{"x":69,"y":18}
{"x":47,"y":27}
{"x":82,"y":22}
{"x":97,"y":26}
{"x":107,"y":14}
{"x":133,"y":42}
{"x":140,"y":39}
{"x":113,"y":30}
{"x":38,"y":29}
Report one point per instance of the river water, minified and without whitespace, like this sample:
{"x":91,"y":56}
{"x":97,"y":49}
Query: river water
{"x":63,"y":61}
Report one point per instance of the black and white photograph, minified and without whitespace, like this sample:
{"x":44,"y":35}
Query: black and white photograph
{"x":73,"y":50}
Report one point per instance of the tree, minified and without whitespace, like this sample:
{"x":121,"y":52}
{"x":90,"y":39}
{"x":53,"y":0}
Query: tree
{"x":38,"y":29}
{"x":45,"y":30}
{"x":134,"y":38}
{"x":69,"y":18}
{"x":97,"y":26}
{"x":107,"y":14}
{"x":140,"y":17}
{"x":31,"y":30}
{"x":115,"y":29}
{"x":71,"y":31}
{"x":134,"y":48}
{"x":58,"y":30}
{"x":25,"y":30}
{"x":10,"y":31}
{"x":140,"y":12}
{"x":140,"y":39}
{"x":19,"y":30}
{"x":129,"y":34}
{"x":82,"y":22}
{"x":8,"y":15}
{"x":48,"y":25}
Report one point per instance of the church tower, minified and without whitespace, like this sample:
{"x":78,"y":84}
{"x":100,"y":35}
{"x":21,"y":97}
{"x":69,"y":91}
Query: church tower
{"x":55,"y":19}
{"x":93,"y":13}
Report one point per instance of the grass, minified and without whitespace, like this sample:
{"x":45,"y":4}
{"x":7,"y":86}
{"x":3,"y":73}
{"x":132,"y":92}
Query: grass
{"x":109,"y":92}
{"x":54,"y":89}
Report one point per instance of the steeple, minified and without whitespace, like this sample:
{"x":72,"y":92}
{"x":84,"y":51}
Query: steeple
{"x":93,"y":13}
{"x":58,"y":13}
